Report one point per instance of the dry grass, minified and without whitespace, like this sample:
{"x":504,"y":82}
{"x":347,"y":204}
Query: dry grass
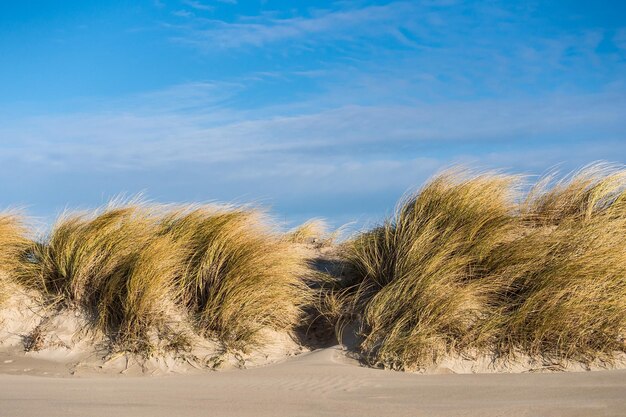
{"x":115,"y":266}
{"x":14,"y":245}
{"x":466,"y":265}
{"x":240,"y":276}
{"x":309,"y":231}
{"x":566,"y":277}
{"x":314,"y":232}
{"x":463,"y":267}
{"x":136,"y":268}
{"x":421,"y":286}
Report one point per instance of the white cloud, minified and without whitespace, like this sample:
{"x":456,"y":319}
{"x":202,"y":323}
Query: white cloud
{"x":183,"y":125}
{"x":345,"y":162}
{"x":182,"y":13}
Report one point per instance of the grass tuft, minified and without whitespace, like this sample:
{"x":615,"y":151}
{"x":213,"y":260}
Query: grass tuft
{"x":136,"y":268}
{"x":421,"y":286}
{"x":113,"y":265}
{"x":315,"y":232}
{"x":14,"y":245}
{"x":240,"y":276}
{"x":566,"y":276}
{"x":464,"y":266}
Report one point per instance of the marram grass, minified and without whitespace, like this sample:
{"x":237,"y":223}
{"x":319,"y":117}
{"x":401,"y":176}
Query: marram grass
{"x":466,"y":267}
{"x":566,"y":275}
{"x":422,"y":288}
{"x":14,"y":245}
{"x":239,"y":276}
{"x":314,"y":231}
{"x":469,"y":264}
{"x":137,"y":268}
{"x":114,"y":265}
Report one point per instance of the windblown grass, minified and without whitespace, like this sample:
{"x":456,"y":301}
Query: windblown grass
{"x":463,"y":266}
{"x":240,"y":276}
{"x":14,"y":245}
{"x":468,"y":264}
{"x":115,"y":266}
{"x":422,"y":289}
{"x":566,"y":276}
{"x":315,"y":232}
{"x":136,"y":267}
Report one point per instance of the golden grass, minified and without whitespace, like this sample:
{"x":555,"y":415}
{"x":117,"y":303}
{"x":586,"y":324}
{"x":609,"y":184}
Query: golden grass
{"x":135,"y":267}
{"x":422,"y":289}
{"x":468,"y":264}
{"x":14,"y":245}
{"x":114,"y":265}
{"x":566,"y":276}
{"x":315,"y":232}
{"x":240,"y":276}
{"x":464,"y":267}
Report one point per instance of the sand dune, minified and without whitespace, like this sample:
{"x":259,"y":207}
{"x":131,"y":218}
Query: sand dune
{"x":320,"y":383}
{"x":204,"y":312}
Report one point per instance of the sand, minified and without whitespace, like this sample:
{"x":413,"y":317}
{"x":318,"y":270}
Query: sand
{"x":72,"y":374}
{"x":320,"y":383}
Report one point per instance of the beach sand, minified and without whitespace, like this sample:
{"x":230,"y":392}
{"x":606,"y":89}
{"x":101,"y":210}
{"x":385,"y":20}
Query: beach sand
{"x":320,"y":383}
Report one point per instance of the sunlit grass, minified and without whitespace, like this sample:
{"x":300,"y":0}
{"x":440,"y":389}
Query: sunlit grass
{"x":422,"y":289}
{"x":465,"y":267}
{"x":134,"y":267}
{"x":240,"y":276}
{"x":14,"y":244}
{"x":469,"y":264}
{"x":314,"y":232}
{"x":566,"y":276}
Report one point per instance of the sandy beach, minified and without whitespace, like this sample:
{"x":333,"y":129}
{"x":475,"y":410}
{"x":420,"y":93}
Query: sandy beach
{"x":320,"y":383}
{"x":368,"y":208}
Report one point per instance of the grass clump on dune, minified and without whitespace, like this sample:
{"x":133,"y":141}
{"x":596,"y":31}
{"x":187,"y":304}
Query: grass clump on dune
{"x":14,"y":245}
{"x":421,"y":286}
{"x":466,"y":265}
{"x":114,"y":265}
{"x":566,"y":276}
{"x":239,"y":276}
{"x":463,"y":266}
{"x":137,"y":268}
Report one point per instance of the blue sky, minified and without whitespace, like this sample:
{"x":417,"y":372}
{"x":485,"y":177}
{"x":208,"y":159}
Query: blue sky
{"x":313,"y":108}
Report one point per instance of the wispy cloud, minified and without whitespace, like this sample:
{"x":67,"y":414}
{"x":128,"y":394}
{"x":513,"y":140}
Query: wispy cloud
{"x":266,"y":28}
{"x":182,"y":13}
{"x":328,"y":111}
{"x":188,"y":123}
{"x":185,"y":143}
{"x":199,"y":5}
{"x":429,"y":46}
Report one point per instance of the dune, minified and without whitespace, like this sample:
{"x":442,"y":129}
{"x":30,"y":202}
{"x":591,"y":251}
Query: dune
{"x":491,"y":302}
